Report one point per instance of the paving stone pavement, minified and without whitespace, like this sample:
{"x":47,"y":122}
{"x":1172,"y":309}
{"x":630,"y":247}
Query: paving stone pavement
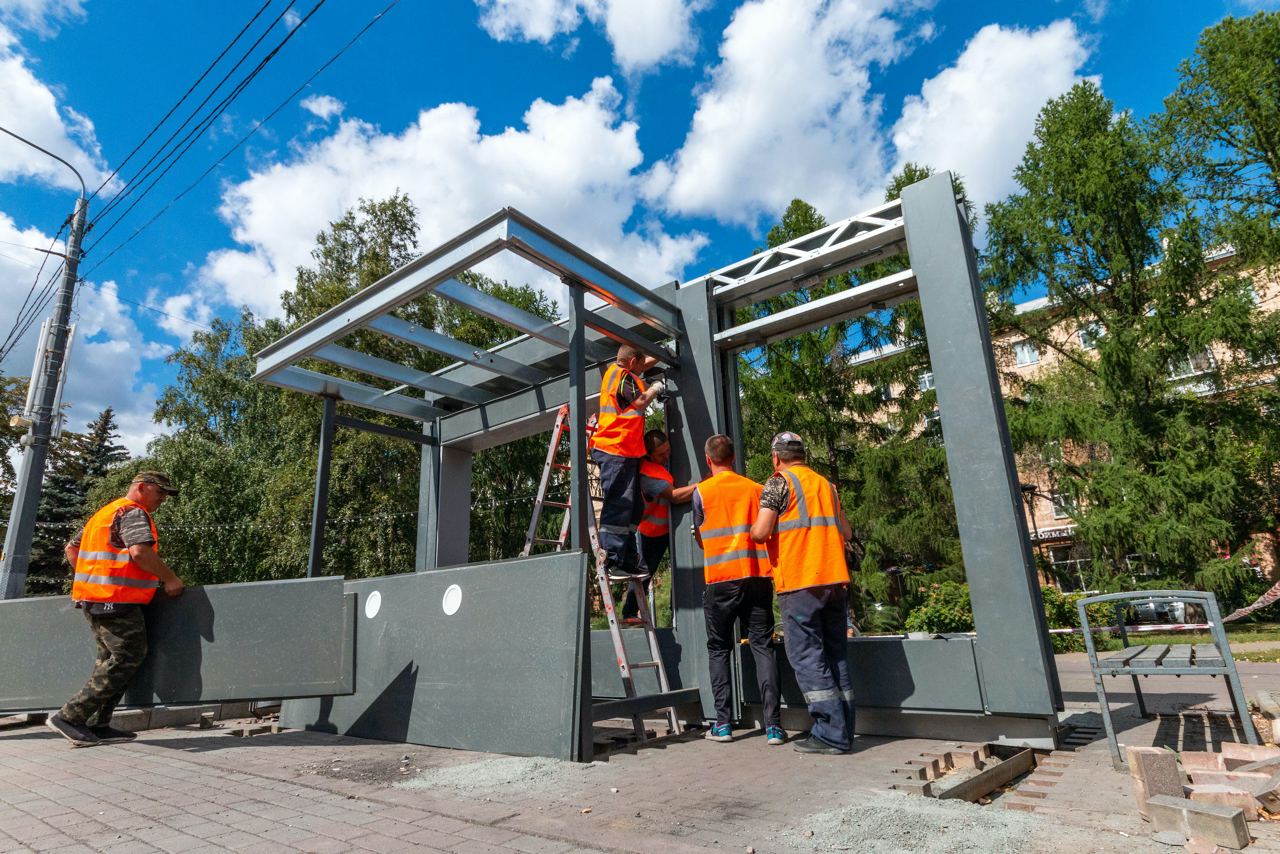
{"x":184,"y":789}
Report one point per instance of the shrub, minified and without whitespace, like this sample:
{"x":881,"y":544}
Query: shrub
{"x":946,"y":608}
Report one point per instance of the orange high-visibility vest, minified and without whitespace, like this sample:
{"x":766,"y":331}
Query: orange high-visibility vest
{"x":657,"y":513}
{"x":619,"y":432}
{"x":807,"y":549}
{"x":105,"y":573}
{"x":730,"y":503}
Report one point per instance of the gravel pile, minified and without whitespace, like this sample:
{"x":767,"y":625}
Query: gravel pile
{"x":508,"y":773}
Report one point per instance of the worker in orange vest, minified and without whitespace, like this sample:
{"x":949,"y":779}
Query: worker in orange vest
{"x":738,"y":590}
{"x":117,"y":571}
{"x":618,"y":447}
{"x":806,"y":530}
{"x":659,"y":491}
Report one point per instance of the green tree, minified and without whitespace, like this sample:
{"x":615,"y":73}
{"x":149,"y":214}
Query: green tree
{"x":1157,"y":431}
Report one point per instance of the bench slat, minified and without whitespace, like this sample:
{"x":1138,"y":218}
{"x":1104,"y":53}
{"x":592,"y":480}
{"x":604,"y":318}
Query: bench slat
{"x":1207,"y":653}
{"x":1179,"y":656}
{"x":1123,"y":656}
{"x":1151,"y":656}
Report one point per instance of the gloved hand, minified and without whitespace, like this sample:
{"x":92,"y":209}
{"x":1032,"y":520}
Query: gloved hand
{"x":659,"y":389}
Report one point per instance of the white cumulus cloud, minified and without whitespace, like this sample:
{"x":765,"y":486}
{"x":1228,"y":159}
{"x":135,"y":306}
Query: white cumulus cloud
{"x":788,"y":112}
{"x":643,"y":33}
{"x":976,"y":116}
{"x":572,"y":166}
{"x":40,"y":16}
{"x":322,"y":106}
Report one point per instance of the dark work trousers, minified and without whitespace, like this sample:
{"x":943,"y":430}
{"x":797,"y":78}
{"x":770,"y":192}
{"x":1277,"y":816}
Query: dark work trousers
{"x":652,"y":551}
{"x":815,"y":629}
{"x":749,"y":601}
{"x":622,"y":508}
{"x":122,"y":645}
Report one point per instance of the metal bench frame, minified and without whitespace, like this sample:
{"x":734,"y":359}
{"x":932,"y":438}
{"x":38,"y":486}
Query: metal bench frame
{"x":1163,"y":659}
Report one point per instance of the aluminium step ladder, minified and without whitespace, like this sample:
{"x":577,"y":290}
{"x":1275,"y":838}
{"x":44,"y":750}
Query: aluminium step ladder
{"x":635,"y":585}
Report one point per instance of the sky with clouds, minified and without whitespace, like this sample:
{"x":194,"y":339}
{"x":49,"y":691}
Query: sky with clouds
{"x":664,"y":136}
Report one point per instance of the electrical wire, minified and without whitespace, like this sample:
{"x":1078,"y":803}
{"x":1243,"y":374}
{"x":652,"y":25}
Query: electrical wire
{"x":13,"y":336}
{"x":184,"y":97}
{"x":246,"y":137}
{"x":170,"y":158}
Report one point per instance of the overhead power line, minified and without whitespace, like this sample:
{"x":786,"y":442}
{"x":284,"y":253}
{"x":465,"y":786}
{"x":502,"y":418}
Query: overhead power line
{"x":23,"y":317}
{"x":233,"y":149}
{"x":184,"y":97}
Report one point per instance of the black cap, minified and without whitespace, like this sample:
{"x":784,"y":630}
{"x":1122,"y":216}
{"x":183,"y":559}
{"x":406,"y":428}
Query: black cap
{"x":787,"y":441}
{"x":160,"y":479}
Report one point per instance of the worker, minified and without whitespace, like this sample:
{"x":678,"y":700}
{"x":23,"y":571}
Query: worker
{"x":659,"y":491}
{"x":738,"y":589}
{"x":617,"y":447}
{"x":806,"y":530}
{"x":117,"y":571}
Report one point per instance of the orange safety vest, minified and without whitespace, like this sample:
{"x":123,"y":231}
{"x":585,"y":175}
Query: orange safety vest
{"x":105,"y":573}
{"x":807,"y":549}
{"x":730,"y":504}
{"x":657,"y":513}
{"x":620,"y":433}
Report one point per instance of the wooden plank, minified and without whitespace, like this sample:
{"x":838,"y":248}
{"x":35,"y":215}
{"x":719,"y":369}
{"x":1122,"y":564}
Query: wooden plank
{"x":990,"y":778}
{"x":1179,"y":656}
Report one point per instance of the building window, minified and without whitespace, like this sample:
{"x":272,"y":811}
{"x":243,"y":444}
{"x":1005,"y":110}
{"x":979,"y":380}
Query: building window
{"x":1026,"y":353}
{"x":884,"y":393}
{"x":1089,"y":336}
{"x":1064,"y":504}
{"x":1191,"y":366}
{"x":925,"y":381}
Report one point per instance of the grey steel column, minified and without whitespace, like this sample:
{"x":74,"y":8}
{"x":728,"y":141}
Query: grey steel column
{"x":424,"y":552}
{"x":1015,"y":658}
{"x":579,"y":504}
{"x":26,"y":500}
{"x":320,"y":509}
{"x":444,"y":531}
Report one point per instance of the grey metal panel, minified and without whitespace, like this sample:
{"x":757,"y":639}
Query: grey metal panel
{"x":391,"y":291}
{"x":359,"y":394}
{"x":375,"y":367}
{"x":549,"y":250}
{"x":881,"y":293}
{"x":429,"y":339}
{"x":1014,"y":654}
{"x":606,"y":681}
{"x":446,"y":506}
{"x":223,"y":642}
{"x":892,"y":673}
{"x":499,"y":675}
{"x":487,"y":305}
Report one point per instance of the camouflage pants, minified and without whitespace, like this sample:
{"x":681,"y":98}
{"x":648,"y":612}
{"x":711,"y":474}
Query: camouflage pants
{"x":122,"y":645}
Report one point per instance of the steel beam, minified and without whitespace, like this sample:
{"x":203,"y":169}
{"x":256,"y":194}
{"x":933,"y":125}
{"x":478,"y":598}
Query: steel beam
{"x":487,"y":305}
{"x":625,"y":336}
{"x":390,"y":292}
{"x":552,"y":252}
{"x":320,"y":506}
{"x":455,"y":349}
{"x":384,"y":430}
{"x":358,"y":394}
{"x":376,"y":367}
{"x":881,"y":293}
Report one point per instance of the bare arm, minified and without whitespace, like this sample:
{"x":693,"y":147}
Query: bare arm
{"x":763,"y":527}
{"x":144,"y":554}
{"x":680,"y":494}
{"x":72,"y":551}
{"x":641,"y":403}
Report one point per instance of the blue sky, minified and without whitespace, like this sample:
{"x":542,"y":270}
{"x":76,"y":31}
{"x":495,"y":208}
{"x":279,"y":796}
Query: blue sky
{"x":664,"y":135}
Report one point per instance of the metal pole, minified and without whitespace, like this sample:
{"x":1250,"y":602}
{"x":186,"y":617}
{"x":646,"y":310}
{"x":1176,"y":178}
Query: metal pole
{"x":26,"y":499}
{"x":579,"y":495}
{"x":320,"y":510}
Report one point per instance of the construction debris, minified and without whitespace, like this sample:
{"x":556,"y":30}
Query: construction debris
{"x":1220,"y":825}
{"x":966,"y":774}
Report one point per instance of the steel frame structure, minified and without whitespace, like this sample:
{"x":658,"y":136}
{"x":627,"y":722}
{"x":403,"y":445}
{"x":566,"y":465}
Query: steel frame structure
{"x":1000,"y":684}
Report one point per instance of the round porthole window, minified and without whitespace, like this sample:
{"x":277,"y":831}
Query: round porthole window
{"x":372,"y":604}
{"x":452,"y":599}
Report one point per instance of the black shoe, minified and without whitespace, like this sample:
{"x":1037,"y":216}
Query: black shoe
{"x":618,"y":573}
{"x":111,"y":735}
{"x":80,"y":736}
{"x":813,"y":744}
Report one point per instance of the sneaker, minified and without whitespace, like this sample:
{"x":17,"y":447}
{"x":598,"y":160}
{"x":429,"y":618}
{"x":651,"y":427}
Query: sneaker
{"x":720,"y":732}
{"x":774,"y":735}
{"x":617,"y":573}
{"x":813,"y":744}
{"x":80,"y":736}
{"x":111,"y":735}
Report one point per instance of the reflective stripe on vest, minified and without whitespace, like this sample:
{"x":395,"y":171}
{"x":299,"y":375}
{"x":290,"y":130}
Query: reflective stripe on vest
{"x":656,"y":521}
{"x":618,"y":432}
{"x":105,"y":573}
{"x":730,"y":504}
{"x":808,"y":550}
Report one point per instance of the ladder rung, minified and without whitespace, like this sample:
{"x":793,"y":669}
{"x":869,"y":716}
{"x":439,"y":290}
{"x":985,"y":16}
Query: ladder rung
{"x":563,"y":505}
{"x":561,"y":466}
{"x":546,"y":541}
{"x":642,"y":664}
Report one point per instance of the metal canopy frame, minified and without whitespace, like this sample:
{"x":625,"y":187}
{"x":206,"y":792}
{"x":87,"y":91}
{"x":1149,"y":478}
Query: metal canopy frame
{"x":490,"y":397}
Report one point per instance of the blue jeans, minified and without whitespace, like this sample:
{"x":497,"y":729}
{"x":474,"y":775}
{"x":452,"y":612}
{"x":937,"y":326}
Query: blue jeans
{"x":622,"y":508}
{"x":814,"y":629}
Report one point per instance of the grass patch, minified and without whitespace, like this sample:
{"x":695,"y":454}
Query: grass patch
{"x":1235,"y":634}
{"x":1259,"y":656}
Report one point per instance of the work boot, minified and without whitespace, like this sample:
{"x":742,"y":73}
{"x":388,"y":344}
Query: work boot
{"x":79,"y":736}
{"x":813,"y":744}
{"x":111,"y":735}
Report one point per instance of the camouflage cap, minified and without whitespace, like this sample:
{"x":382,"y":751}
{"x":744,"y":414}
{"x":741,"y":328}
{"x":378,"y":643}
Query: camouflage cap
{"x":787,"y":441}
{"x":160,"y":479}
